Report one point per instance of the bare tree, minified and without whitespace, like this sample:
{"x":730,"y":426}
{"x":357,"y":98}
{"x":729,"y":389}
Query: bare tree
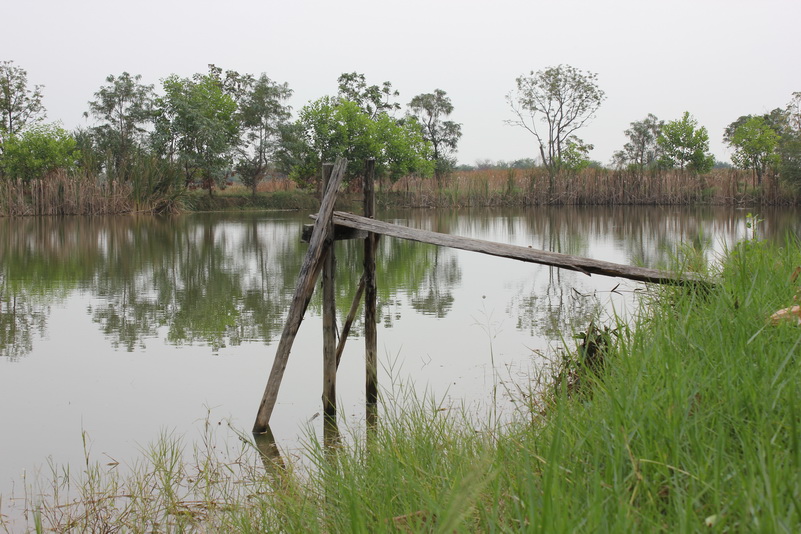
{"x":563,"y":99}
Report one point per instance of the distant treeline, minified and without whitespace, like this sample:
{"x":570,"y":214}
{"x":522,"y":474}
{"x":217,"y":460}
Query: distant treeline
{"x":149,"y":151}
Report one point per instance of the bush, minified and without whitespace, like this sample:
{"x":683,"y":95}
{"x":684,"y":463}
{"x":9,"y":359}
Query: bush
{"x":37,"y":151}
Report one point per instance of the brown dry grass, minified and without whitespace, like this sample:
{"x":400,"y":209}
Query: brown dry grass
{"x":498,"y":187}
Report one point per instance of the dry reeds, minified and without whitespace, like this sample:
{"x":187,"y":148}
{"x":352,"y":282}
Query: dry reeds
{"x":593,"y":186}
{"x":61,"y":194}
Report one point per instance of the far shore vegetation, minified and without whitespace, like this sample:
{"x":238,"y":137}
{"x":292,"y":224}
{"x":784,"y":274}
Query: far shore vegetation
{"x":685,"y":420}
{"x":227,"y":135}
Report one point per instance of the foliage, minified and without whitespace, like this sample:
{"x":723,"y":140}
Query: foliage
{"x":372,"y":99}
{"x":755,"y":146}
{"x":790,"y":143}
{"x":197,"y":126}
{"x":564,"y":99}
{"x":685,"y":145}
{"x":329,"y":128}
{"x":575,"y":156}
{"x":19,"y":106}
{"x":124,"y":107}
{"x":37,"y":151}
{"x":430,"y":110}
{"x":642,"y":150}
{"x":262,"y":112}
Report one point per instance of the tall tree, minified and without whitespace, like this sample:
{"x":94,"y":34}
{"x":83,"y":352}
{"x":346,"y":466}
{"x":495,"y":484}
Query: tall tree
{"x":19,"y":105}
{"x":372,"y":99}
{"x":331,"y":127}
{"x":564,"y":98}
{"x":262,"y":111}
{"x":685,"y":145}
{"x":196,"y":124}
{"x":430,"y":110}
{"x":755,"y":146}
{"x":124,"y":108}
{"x":641,"y":151}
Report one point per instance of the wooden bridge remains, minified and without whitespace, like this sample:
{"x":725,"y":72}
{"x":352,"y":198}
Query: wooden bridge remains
{"x":330,"y":225}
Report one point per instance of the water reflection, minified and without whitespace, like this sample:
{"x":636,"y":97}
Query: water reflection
{"x":220,"y":280}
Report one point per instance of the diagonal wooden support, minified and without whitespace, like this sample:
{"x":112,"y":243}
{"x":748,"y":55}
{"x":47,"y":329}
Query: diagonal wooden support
{"x":307,"y":277}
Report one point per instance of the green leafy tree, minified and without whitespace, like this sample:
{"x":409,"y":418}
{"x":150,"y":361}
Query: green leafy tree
{"x":642,"y":150}
{"x":372,"y":99}
{"x":790,"y":142}
{"x":563,"y":99}
{"x":575,"y":155}
{"x":685,"y":145}
{"x":124,"y":109}
{"x":197,"y":125}
{"x":19,"y":105}
{"x":755,"y":146}
{"x":37,"y":151}
{"x":262,"y":111}
{"x":329,"y":128}
{"x":430,"y":110}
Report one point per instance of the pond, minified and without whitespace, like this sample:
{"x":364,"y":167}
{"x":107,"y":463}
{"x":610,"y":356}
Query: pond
{"x":114,"y":330}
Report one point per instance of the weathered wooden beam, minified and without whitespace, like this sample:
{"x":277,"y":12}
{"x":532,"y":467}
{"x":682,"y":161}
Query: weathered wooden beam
{"x":341,"y":233}
{"x":565,"y":261}
{"x":329,"y":317}
{"x":300,"y":300}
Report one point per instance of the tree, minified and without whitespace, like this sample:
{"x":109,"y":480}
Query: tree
{"x":685,"y":145}
{"x":575,"y":155}
{"x":755,"y":146}
{"x":331,"y":127}
{"x":372,"y":99}
{"x":642,"y":150}
{"x":430,"y":109}
{"x":262,"y":112}
{"x":564,"y":98}
{"x":790,"y":143}
{"x":19,"y":106}
{"x":196,"y":124}
{"x":125,"y":108}
{"x":37,"y":151}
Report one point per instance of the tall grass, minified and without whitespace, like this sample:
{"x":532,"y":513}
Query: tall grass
{"x":523,"y":187}
{"x":693,"y":423}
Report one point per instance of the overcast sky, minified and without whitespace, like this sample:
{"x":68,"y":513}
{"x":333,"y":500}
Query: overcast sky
{"x":717,"y":59}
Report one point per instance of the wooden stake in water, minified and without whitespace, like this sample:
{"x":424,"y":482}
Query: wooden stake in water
{"x":329,"y":318}
{"x":370,"y":298}
{"x":307,"y":277}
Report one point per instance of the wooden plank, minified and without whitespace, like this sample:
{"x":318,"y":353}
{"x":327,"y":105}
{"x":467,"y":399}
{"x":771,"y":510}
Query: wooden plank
{"x":341,"y":233}
{"x":329,"y":317}
{"x":307,"y":277}
{"x":370,"y":297}
{"x":575,"y":263}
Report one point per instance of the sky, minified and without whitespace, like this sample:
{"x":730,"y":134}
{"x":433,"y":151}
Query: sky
{"x":717,"y":59}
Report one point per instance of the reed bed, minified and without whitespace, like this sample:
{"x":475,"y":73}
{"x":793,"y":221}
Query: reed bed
{"x":592,"y":186}
{"x":686,"y":421}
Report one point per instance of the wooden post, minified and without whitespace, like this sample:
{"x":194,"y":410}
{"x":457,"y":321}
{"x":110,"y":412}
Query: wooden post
{"x":370,"y":298}
{"x":329,"y":319}
{"x":307,"y":277}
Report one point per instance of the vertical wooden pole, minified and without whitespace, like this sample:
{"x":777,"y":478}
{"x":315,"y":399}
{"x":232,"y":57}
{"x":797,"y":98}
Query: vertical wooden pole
{"x":370,"y":298}
{"x":329,"y":319}
{"x":309,"y":270}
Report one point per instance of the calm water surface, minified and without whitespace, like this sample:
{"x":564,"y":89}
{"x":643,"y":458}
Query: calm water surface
{"x":117,"y":329}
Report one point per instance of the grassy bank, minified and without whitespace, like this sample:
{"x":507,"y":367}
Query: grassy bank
{"x":692,"y":424}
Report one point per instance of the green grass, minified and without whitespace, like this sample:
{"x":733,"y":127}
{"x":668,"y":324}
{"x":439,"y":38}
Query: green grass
{"x":691,"y":425}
